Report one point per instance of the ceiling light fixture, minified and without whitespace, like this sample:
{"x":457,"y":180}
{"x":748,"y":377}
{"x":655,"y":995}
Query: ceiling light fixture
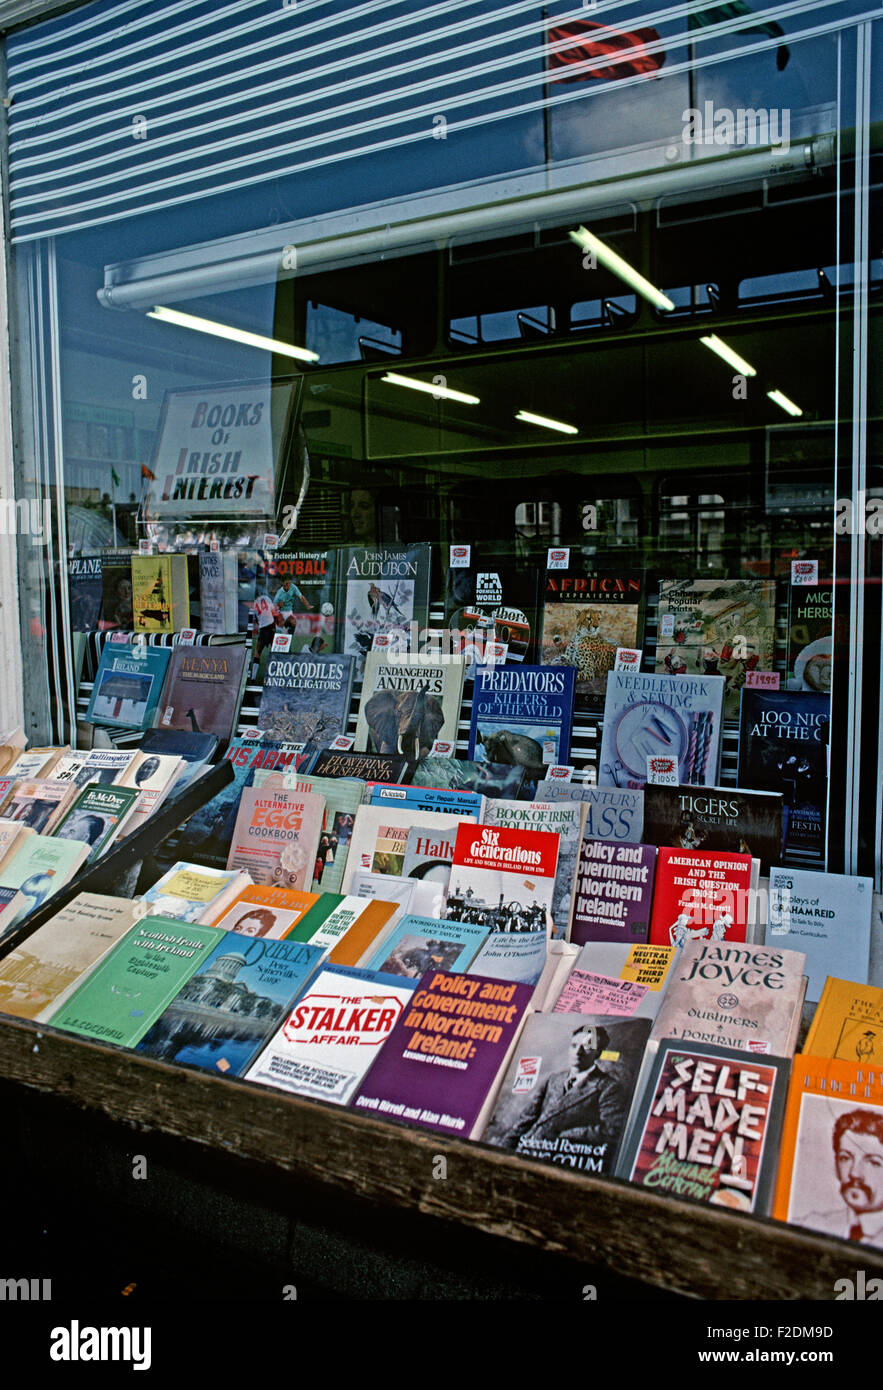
{"x":607,"y":257}
{"x":236,"y":335}
{"x":731,"y":357}
{"x":546,"y":422}
{"x":444,"y":393}
{"x":782,"y":400}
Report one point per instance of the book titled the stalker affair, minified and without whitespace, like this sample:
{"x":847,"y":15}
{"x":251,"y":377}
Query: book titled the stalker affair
{"x":385,"y":589}
{"x":523,"y":715}
{"x":677,"y":717}
{"x":203,"y":690}
{"x":586,"y":616}
{"x":783,"y":741}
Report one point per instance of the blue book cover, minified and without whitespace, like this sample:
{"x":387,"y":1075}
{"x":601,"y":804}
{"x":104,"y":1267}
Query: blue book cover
{"x":207,"y":835}
{"x":84,"y":589}
{"x":464,"y":803}
{"x":419,"y":944}
{"x":522,"y":715}
{"x":306,"y":699}
{"x":783,"y":747}
{"x":224,"y":1012}
{"x":828,"y":918}
{"x":128,"y":685}
{"x":669,"y":717}
{"x":196,"y":749}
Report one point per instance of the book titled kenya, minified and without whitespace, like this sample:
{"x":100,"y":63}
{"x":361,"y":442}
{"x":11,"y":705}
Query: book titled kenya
{"x":276,"y":837}
{"x":586,"y":616}
{"x":715,"y":818}
{"x":702,"y":896}
{"x":385,"y":589}
{"x":203,"y":690}
{"x":522,"y":715}
{"x":717,"y":627}
{"x":306,"y":699}
{"x":783,"y":738}
{"x":408,"y":701}
{"x":671,"y":716}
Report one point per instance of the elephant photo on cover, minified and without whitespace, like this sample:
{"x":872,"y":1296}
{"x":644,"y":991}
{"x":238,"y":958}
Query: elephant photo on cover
{"x":404,"y":721}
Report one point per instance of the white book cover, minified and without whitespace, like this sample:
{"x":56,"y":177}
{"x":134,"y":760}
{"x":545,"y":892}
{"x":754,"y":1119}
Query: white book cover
{"x":828,"y":918}
{"x":368,"y":821}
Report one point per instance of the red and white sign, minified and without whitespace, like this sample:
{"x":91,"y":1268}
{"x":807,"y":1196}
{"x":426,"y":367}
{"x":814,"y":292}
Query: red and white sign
{"x":342,"y":744}
{"x":364,"y":1020}
{"x":382,"y":639}
{"x":145,"y":548}
{"x":255,"y":734}
{"x":804,"y":571}
{"x":561,"y":773}
{"x":662,"y":770}
{"x":270,"y":541}
{"x":762,"y":680}
{"x":527,"y":1073}
{"x":627,"y":659}
{"x":495,"y":653}
{"x":282,"y":642}
{"x":460,"y":557}
{"x":513,"y":851}
{"x":442,"y":748}
{"x":119,"y":637}
{"x":187,"y":637}
{"x":214,"y":547}
{"x":558,"y":558}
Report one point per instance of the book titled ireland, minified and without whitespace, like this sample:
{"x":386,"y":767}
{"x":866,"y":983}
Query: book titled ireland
{"x":674,"y":717}
{"x":306,"y":699}
{"x":783,"y":738}
{"x":522,"y":715}
{"x":127,"y":685}
{"x":385,"y":588}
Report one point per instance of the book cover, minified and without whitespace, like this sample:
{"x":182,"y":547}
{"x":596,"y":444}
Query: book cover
{"x":608,"y":996}
{"x":203,"y":690}
{"x":123,"y":997}
{"x":343,"y":797}
{"x":224,"y":1012}
{"x":612,"y":813}
{"x":36,"y":871}
{"x":385,"y":589}
{"x":848,"y":1023}
{"x":522,"y":715}
{"x":349,"y":927}
{"x":367,"y":824}
{"x":828,"y":917}
{"x":128,"y":684}
{"x":701,"y":897}
{"x":503,"y":879}
{"x":160,"y":590}
{"x":330,"y":1037}
{"x":708,"y":1126}
{"x":106,"y":765}
{"x":12,"y":836}
{"x":425,"y":798}
{"x":84,"y":590}
{"x":389,"y":888}
{"x":733,"y":995}
{"x":811,"y":637}
{"x":208,"y":834}
{"x":454,"y":1026}
{"x":296,"y":594}
{"x":155,"y":779}
{"x":417,"y":944}
{"x":306,"y":699}
{"x":566,"y":1093}
{"x":36,"y":762}
{"x":197,"y":750}
{"x":366,"y":767}
{"x":646,"y":965}
{"x":587,"y":614}
{"x":276,"y":837}
{"x":716,"y":627}
{"x":193,"y":892}
{"x":490,"y":600}
{"x":218,"y":591}
{"x":407,"y":702}
{"x":672,"y":716}
{"x":97,"y":817}
{"x":39,"y":804}
{"x":506,"y":955}
{"x":261,"y":910}
{"x":783,"y":747}
{"x":38,"y":976}
{"x":614,"y":892}
{"x":715,"y":818}
{"x":563,"y":819}
{"x":830,"y":1173}
{"x":463,"y":775}
{"x":116,"y":591}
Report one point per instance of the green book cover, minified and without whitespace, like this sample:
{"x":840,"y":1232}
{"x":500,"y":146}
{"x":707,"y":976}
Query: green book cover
{"x":309,"y":924}
{"x":95,"y":816}
{"x":126,"y":994}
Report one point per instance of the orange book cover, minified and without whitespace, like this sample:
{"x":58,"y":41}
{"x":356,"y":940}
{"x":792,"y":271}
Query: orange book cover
{"x":848,"y":1023}
{"x":264,"y":910}
{"x":366,"y":932}
{"x":830,"y":1176}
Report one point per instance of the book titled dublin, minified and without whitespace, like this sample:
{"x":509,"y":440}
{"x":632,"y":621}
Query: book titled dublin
{"x":523,"y":716}
{"x":385,"y":589}
{"x":783,"y":740}
{"x":661,"y":716}
{"x":306,"y":699}
{"x":127,"y":686}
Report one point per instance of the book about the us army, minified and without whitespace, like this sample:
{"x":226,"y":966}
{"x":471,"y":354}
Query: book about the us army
{"x":566,"y":1094}
{"x":156,"y":778}
{"x":295,"y":594}
{"x":522,"y":715}
{"x":489,"y":599}
{"x":408,"y":701}
{"x":463,"y":775}
{"x":332,"y":1034}
{"x":41,"y":974}
{"x":261,"y":910}
{"x":612,"y":813}
{"x":384,"y":590}
{"x":701,"y":896}
{"x":208,"y":834}
{"x":425,"y":798}
{"x":196,"y":750}
{"x":116,"y":591}
{"x":351,"y":928}
{"x":828,"y":917}
{"x":717,"y":627}
{"x":306,"y":699}
{"x":128,"y":684}
{"x":276,"y":837}
{"x":218,"y":591}
{"x":107,"y":765}
{"x":35,"y":873}
{"x":160,"y":590}
{"x":613,"y":896}
{"x":811,"y":637}
{"x":97,"y":817}
{"x":442,"y":1064}
{"x":586,"y":616}
{"x":223,"y":1014}
{"x":40,"y":803}
{"x":343,"y":797}
{"x":84,"y":590}
{"x":194,"y":892}
{"x":367,"y":767}
{"x":125,"y":994}
{"x":783,"y":747}
{"x":369,"y":820}
{"x":707,"y":1126}
{"x":831,"y":1151}
{"x":203,"y":690}
{"x":734,"y":995}
{"x":417,"y":944}
{"x":675,"y":717}
{"x":848,"y":1023}
{"x":715,"y":818}
{"x":563,"y":819}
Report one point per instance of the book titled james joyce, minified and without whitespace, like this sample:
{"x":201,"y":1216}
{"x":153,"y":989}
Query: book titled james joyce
{"x":276,"y":836}
{"x":222,"y":1013}
{"x":203,"y":690}
{"x":127,"y":685}
{"x":160,"y":591}
{"x":522,"y":715}
{"x":84,"y":588}
{"x":614,"y":892}
{"x":612,"y":813}
{"x":208,"y":834}
{"x":586,"y":616}
{"x":563,"y":819}
{"x":219,"y":591}
{"x":715,"y":818}
{"x":717,"y":627}
{"x":385,"y":589}
{"x":827,"y":916}
{"x":306,"y":699}
{"x":441,"y":1064}
{"x":408,"y":701}
{"x":566,"y":1094}
{"x":670,"y":716}
{"x":702,"y":896}
{"x":332,"y":1034}
{"x":123,"y":997}
{"x":783,"y":743}
{"x":708,"y":1125}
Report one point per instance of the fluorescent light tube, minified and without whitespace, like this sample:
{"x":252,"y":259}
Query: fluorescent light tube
{"x":444,"y":393}
{"x":546,"y":423}
{"x":782,"y":400}
{"x":732,"y":358}
{"x":617,"y":266}
{"x":236,"y":335}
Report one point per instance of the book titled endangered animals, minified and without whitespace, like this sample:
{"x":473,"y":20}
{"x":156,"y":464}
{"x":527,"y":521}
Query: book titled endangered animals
{"x":586,"y":616}
{"x":203,"y":689}
{"x":306,"y":699}
{"x":715,"y":818}
{"x":407,"y":702}
{"x":783,"y":747}
{"x":717,"y":627}
{"x":385,"y":589}
{"x":522,"y":715}
{"x":671,"y":716}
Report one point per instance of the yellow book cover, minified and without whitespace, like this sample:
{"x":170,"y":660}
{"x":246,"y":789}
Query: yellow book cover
{"x":848,"y":1023}
{"x":160,"y":600}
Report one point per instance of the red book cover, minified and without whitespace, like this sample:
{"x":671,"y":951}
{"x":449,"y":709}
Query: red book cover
{"x":700,"y":896}
{"x":503,"y":879}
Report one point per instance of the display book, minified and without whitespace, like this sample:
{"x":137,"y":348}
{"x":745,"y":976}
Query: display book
{"x":198,"y":689}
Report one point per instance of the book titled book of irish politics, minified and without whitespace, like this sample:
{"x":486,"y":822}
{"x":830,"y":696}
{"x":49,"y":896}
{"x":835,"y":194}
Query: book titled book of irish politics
{"x":708,"y":1125}
{"x":612,"y":813}
{"x":563,"y":819}
{"x":441,"y":1065}
{"x":674,"y":717}
{"x":522,"y":715}
{"x":276,"y":836}
{"x":306,"y":699}
{"x":160,"y":601}
{"x":717,"y":627}
{"x":783,"y":742}
{"x":128,"y":684}
{"x":384,"y":589}
{"x":587,"y":614}
{"x":715,"y":818}
{"x":613,"y":896}
{"x":408,"y":701}
{"x":203,"y":690}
